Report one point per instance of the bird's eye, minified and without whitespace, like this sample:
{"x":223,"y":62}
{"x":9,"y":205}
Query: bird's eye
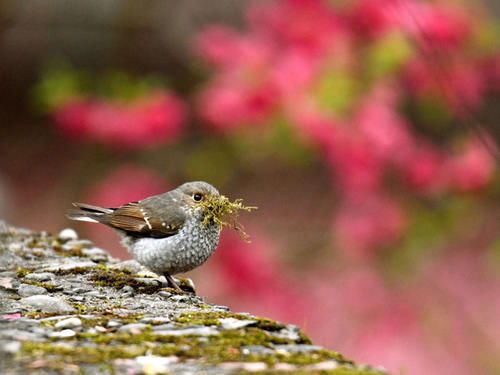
{"x":197,"y":197}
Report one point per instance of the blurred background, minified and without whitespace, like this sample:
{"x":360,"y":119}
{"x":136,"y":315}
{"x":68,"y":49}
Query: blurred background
{"x":364,"y":130}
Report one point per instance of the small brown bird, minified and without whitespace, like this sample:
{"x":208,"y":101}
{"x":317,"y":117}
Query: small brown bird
{"x":163,"y":232}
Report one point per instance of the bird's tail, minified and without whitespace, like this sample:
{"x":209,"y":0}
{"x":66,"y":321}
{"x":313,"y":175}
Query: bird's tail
{"x":87,"y":212}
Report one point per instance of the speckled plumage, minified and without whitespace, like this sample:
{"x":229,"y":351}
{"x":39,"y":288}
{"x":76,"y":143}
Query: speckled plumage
{"x":182,"y":252}
{"x":164,"y":232}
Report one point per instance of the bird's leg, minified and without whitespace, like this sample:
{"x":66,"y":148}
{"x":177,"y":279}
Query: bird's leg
{"x":172,"y":283}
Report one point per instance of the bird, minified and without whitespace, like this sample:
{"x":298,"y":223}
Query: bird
{"x":166,"y":233}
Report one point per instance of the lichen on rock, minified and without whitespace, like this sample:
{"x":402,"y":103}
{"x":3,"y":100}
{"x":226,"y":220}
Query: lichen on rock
{"x":97,"y":317}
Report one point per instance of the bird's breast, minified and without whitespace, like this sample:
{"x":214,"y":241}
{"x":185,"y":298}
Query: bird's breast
{"x":182,"y":252}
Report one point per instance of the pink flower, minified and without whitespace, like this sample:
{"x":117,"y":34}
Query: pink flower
{"x":385,"y":132}
{"x":425,"y":170}
{"x":473,"y":168}
{"x":357,"y":169}
{"x":11,"y":316}
{"x":249,"y":268}
{"x":434,"y":26}
{"x":217,"y":45}
{"x":367,"y":222}
{"x":144,"y":122}
{"x":318,"y":130}
{"x":373,"y":18}
{"x":459,"y":82}
{"x":445,"y":26}
{"x":311,"y":26}
{"x":227,"y":50}
{"x":230,"y":106}
{"x":292,"y":75}
{"x":72,"y":118}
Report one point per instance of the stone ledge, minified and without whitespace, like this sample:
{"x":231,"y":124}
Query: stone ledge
{"x":68,"y":307}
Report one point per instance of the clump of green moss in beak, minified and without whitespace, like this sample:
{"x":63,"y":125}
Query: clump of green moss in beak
{"x":221,"y":211}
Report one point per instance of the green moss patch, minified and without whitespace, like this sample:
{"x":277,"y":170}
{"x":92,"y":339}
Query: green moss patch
{"x":117,"y":279}
{"x":22,"y":272}
{"x":81,"y":354}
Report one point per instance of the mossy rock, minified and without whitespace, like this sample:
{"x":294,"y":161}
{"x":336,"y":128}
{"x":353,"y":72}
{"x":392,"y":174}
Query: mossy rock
{"x":149,"y":329}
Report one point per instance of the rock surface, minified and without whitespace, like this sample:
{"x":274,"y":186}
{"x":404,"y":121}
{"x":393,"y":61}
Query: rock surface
{"x":68,"y":307}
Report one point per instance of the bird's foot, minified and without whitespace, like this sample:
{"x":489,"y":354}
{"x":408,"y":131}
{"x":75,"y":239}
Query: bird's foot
{"x":183,"y":288}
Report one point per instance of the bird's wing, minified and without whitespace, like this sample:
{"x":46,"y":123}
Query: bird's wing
{"x":146,"y":218}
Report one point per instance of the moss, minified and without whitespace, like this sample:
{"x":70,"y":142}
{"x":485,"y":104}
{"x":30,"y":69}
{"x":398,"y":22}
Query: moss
{"x":42,"y":315}
{"x":224,"y":213}
{"x":226,"y":346}
{"x":82,"y":354}
{"x":212,"y":318}
{"x":118,"y":279}
{"x":75,"y":251}
{"x":186,"y":285}
{"x":21,"y":272}
{"x":75,"y":270}
{"x":268,"y":324}
{"x":79,"y":307}
{"x":50,"y":287}
{"x":206,"y":318}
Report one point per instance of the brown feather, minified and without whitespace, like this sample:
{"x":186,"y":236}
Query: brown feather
{"x":147,"y":219}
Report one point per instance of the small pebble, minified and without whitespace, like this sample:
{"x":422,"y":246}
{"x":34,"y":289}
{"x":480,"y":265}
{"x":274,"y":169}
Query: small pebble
{"x":11,"y":347}
{"x":64,"y":334}
{"x":96,"y":254}
{"x":298,"y":348}
{"x":198,"y":331}
{"x":155,"y":319}
{"x":42,"y":276}
{"x":232,"y":323}
{"x":7,"y":283}
{"x":247,"y":366}
{"x":128,"y":289}
{"x":179,"y":298}
{"x":15,"y":247}
{"x":163,"y":327}
{"x":47,"y":304}
{"x":87,"y":244}
{"x":164,"y":293}
{"x":256,"y":349}
{"x":67,"y":234}
{"x":282,"y":366}
{"x":68,"y":323}
{"x":133,"y":328}
{"x":323,"y":366}
{"x":156,"y":365}
{"x":10,"y":274}
{"x":113,"y":324}
{"x":131,"y":265}
{"x":26,"y":290}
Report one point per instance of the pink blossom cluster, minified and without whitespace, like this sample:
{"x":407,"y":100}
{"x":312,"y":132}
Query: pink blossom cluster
{"x":278,"y":66}
{"x":146,"y":121}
